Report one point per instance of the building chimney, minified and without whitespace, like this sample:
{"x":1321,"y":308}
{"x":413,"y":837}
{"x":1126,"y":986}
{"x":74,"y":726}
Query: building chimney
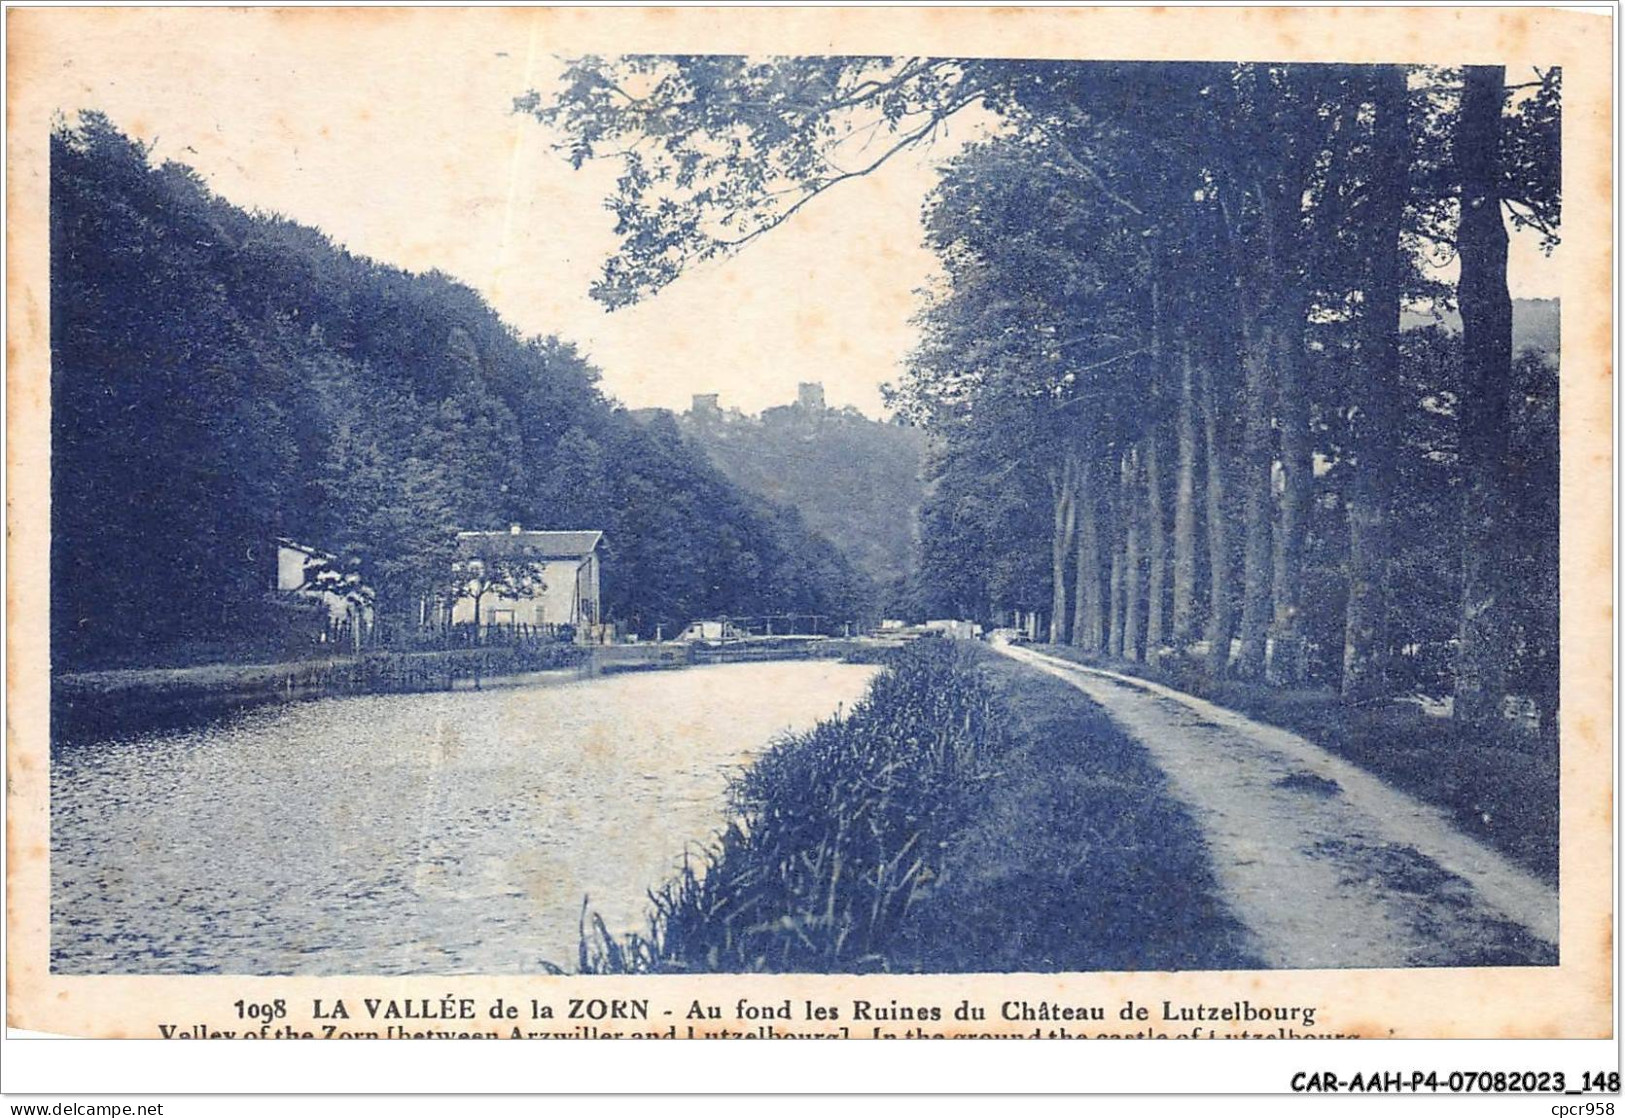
{"x":513,"y":529}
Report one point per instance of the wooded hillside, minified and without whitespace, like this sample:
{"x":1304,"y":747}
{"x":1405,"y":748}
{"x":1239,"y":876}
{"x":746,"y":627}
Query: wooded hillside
{"x":221,"y":378}
{"x":855,"y":481}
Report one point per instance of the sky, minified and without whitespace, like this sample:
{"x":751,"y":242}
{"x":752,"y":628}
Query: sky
{"x":396,"y":136}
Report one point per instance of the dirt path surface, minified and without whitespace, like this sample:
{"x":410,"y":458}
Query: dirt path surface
{"x":1325,"y":864}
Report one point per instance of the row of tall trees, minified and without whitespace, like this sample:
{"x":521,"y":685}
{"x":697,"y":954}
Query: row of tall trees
{"x":1224,"y":450}
{"x":1171,"y":317}
{"x":221,"y":378}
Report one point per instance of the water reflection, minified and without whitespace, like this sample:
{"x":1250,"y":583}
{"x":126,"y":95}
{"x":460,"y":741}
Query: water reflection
{"x":450,"y":833}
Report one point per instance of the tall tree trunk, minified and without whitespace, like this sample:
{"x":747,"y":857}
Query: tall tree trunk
{"x":1185,"y":508}
{"x":1065,"y":509}
{"x":1120,"y":514}
{"x":1221,"y":618}
{"x":1286,"y":658}
{"x":1486,"y":339}
{"x":1373,"y":401}
{"x":1257,"y":455}
{"x":1547,"y":635}
{"x":1133,"y":599}
{"x":1087,"y":615}
{"x":1156,"y":542}
{"x":1156,"y":587}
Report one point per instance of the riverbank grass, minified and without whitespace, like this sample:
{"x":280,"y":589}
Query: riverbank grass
{"x":969,"y":814}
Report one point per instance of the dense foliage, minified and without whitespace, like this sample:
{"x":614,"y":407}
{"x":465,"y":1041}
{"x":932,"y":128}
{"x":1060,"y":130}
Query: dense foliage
{"x":221,"y":378}
{"x":1166,"y":361}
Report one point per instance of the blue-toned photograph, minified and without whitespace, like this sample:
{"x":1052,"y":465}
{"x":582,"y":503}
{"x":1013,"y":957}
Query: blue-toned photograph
{"x":660,"y":514}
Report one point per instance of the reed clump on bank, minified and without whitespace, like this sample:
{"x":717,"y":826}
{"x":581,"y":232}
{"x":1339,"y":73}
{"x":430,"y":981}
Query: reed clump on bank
{"x":883,"y":655}
{"x":835,"y":834}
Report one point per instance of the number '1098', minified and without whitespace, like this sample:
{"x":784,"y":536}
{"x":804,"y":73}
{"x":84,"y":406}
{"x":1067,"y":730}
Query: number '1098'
{"x":262,"y":1011}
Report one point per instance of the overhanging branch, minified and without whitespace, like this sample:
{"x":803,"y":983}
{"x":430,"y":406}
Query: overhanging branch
{"x":814,"y":190}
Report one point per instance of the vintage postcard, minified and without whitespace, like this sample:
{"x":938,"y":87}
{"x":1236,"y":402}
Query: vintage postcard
{"x":851,"y":523}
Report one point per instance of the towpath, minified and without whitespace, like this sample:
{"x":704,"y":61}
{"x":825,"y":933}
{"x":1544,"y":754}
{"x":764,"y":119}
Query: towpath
{"x":1325,"y":864}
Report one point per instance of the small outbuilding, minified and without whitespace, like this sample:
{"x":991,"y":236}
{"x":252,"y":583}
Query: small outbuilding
{"x":314,"y":575}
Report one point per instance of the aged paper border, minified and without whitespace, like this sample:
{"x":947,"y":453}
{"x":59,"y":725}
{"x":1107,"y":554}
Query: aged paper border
{"x":1570,"y":1001}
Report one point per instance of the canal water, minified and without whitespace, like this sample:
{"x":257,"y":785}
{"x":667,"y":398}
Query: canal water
{"x":445,"y":833}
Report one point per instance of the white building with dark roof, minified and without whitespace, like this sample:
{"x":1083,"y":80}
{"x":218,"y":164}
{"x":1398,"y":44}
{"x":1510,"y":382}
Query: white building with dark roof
{"x":317,"y":576}
{"x":529,"y":580}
